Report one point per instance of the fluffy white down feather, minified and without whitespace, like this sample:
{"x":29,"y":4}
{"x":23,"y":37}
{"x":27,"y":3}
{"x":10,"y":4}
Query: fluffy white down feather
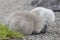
{"x":47,"y":14}
{"x":25,"y":22}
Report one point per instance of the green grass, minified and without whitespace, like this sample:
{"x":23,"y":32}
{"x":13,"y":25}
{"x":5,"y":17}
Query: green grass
{"x":5,"y":33}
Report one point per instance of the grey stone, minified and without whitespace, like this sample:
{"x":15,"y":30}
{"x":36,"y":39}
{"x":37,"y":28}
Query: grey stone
{"x":51,"y":4}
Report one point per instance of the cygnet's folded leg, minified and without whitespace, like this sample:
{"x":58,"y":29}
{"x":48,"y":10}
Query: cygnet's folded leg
{"x":44,"y":30}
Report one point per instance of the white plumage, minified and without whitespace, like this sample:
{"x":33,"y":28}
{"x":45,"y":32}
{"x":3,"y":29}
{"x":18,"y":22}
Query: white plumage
{"x":47,"y":14}
{"x":25,"y":22}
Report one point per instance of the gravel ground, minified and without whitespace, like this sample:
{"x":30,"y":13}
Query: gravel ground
{"x":8,"y":6}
